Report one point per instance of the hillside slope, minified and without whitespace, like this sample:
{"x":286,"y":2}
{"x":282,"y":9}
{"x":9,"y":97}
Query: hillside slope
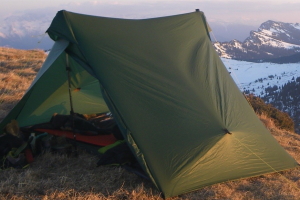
{"x":17,"y":70}
{"x":286,"y":98}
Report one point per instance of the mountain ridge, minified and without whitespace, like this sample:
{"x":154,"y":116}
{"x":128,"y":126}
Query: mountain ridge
{"x":272,"y":40}
{"x":26,"y":30}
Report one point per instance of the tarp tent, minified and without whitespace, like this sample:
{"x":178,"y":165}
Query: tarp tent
{"x":177,"y":106}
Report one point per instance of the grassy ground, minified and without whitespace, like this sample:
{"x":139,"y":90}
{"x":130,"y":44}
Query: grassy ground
{"x":17,"y":70}
{"x":68,"y":177}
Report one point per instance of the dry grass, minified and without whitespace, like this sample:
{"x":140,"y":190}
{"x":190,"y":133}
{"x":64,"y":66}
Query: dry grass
{"x":61,"y":177}
{"x":17,"y":70}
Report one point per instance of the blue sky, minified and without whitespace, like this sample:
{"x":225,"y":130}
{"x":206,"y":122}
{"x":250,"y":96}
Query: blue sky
{"x":238,"y":11}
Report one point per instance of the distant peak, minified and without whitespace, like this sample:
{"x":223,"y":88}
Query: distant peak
{"x":272,"y":40}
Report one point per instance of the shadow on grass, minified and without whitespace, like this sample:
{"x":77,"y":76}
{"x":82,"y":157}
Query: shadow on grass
{"x":63,"y":177}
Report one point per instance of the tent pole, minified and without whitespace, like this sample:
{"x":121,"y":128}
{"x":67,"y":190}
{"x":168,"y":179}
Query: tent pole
{"x":68,"y":68}
{"x":69,"y":84}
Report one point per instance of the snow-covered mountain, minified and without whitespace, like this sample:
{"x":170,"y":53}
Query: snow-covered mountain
{"x":277,"y":84}
{"x":272,"y":40}
{"x":26,"y":31}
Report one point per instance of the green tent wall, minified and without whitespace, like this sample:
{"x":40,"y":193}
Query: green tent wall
{"x":48,"y":94}
{"x":177,"y":106}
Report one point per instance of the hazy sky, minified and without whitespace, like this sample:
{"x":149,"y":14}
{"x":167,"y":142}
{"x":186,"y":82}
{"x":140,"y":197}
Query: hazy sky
{"x":238,"y":11}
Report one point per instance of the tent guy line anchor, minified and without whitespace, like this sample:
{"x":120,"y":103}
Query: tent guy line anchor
{"x":227,"y":131}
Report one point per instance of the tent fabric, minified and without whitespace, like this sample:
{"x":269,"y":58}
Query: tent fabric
{"x":48,"y":93}
{"x":177,"y":106}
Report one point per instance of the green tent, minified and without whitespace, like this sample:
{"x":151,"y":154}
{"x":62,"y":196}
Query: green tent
{"x":177,"y":106}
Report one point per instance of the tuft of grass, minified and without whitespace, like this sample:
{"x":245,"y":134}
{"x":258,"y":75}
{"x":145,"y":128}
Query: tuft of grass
{"x":280,"y":119}
{"x":268,"y":122}
{"x":54,"y":176}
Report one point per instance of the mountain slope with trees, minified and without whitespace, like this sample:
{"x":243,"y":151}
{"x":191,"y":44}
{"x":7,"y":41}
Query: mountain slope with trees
{"x":286,"y":98}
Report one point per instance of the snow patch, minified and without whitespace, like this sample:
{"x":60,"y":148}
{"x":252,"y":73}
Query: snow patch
{"x":255,"y":77}
{"x":269,"y":32}
{"x":266,"y":40}
{"x":296,"y":26}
